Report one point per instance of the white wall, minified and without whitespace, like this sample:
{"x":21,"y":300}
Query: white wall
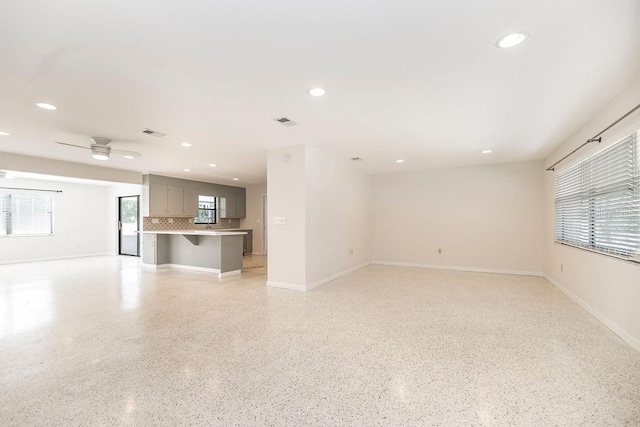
{"x":286,"y":243}
{"x":483,"y":217}
{"x":338,"y":209}
{"x":113,"y":192}
{"x":609,"y":288}
{"x":328,"y":207}
{"x":253,"y":220}
{"x":80,"y":213}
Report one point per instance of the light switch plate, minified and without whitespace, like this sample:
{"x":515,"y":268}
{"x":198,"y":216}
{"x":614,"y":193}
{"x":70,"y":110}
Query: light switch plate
{"x":280,"y":220}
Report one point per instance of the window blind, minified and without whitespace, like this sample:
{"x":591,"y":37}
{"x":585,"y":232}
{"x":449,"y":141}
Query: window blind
{"x":26,"y":214}
{"x":598,"y":201}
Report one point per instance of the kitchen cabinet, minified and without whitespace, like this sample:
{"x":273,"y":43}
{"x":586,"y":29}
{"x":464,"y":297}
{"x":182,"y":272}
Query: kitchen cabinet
{"x":172,"y":201}
{"x":176,"y":201}
{"x":191,"y":202}
{"x":158,"y":200}
{"x":247,"y":242}
{"x":233,"y":205}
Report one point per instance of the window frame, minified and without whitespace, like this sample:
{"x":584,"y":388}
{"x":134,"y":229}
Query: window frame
{"x":214,"y":209}
{"x":591,"y":198}
{"x":10,"y":214}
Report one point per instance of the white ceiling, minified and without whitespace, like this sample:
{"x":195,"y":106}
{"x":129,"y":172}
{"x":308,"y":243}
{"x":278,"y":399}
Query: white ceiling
{"x":418,"y":80}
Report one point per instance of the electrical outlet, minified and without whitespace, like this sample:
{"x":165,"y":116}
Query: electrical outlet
{"x":439,"y":250}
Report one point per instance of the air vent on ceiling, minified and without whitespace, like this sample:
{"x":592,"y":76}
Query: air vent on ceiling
{"x":285,"y":121}
{"x":357,"y":159}
{"x":152,"y":132}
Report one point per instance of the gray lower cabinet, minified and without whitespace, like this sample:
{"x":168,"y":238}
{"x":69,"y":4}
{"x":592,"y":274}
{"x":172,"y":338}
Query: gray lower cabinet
{"x":154,"y":249}
{"x":248,"y":242}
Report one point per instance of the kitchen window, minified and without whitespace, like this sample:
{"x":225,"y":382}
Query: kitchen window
{"x":207,"y":210}
{"x":26,"y":214}
{"x":598,"y":201}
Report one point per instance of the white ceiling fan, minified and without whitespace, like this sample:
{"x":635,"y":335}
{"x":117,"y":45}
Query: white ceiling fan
{"x":100,"y":149}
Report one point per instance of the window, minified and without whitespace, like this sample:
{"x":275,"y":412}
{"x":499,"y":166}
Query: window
{"x":206,"y":210}
{"x":26,"y":214}
{"x":598,"y":201}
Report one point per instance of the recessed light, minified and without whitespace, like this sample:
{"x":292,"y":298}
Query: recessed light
{"x":101,"y":157}
{"x":317,"y":91}
{"x":128,"y":157}
{"x":185,"y":144}
{"x":236,"y":179}
{"x":213,"y":165}
{"x":486,"y":151}
{"x":187,"y":170}
{"x":46,"y":106}
{"x":399,"y":161}
{"x":512,"y":40}
{"x":4,"y":133}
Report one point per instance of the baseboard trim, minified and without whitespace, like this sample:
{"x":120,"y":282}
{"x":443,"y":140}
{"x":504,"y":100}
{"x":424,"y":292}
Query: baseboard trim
{"x":337,"y":276}
{"x":23,"y":261}
{"x":193,"y":268}
{"x":632,"y":341}
{"x":456,"y":268}
{"x":303,"y":288}
{"x":292,"y":286}
{"x":230,"y":273}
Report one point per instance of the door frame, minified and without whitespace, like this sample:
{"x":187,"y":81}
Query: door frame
{"x":265,"y":223}
{"x":119,"y":225}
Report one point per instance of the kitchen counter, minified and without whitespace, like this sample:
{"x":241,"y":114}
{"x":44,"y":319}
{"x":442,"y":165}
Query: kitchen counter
{"x":212,"y":251}
{"x":197,"y":232}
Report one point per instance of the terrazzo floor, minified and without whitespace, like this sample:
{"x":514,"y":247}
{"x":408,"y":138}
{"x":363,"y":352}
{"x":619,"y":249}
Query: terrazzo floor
{"x":101,"y":341}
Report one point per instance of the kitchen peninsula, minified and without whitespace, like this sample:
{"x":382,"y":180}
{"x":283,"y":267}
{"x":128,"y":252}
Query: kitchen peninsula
{"x":203,"y":250}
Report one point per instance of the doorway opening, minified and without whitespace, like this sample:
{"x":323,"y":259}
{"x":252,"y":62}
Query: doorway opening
{"x":129,"y":225}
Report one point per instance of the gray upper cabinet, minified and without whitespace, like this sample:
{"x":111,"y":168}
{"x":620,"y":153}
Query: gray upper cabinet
{"x":176,"y":201}
{"x":158,"y":200}
{"x":191,"y":202}
{"x":172,"y":200}
{"x":233,"y":205}
{"x":174,"y":197}
{"x":241,"y":205}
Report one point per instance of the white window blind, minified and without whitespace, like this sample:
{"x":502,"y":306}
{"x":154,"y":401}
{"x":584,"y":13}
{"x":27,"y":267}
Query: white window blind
{"x":598,"y":201}
{"x":26,"y":214}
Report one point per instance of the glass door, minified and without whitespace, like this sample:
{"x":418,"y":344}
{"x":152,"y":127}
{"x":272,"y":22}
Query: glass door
{"x":128,"y":225}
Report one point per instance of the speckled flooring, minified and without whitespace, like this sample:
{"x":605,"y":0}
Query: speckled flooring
{"x":100,"y":341}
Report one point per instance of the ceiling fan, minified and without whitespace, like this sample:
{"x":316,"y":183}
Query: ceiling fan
{"x":100,"y":149}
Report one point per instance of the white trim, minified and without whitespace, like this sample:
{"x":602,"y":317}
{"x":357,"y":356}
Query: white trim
{"x":291,"y":286}
{"x":303,"y":288}
{"x":193,"y":268}
{"x":230,"y":273}
{"x":22,"y":261}
{"x":336,"y":276}
{"x":632,"y":341}
{"x":455,"y":268}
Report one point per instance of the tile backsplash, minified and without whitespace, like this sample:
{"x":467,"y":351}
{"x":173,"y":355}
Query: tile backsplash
{"x":186,"y":224}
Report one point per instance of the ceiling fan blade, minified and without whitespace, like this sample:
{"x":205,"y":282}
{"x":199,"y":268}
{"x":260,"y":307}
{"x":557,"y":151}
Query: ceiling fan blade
{"x":126,"y":153}
{"x":72,"y":145}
